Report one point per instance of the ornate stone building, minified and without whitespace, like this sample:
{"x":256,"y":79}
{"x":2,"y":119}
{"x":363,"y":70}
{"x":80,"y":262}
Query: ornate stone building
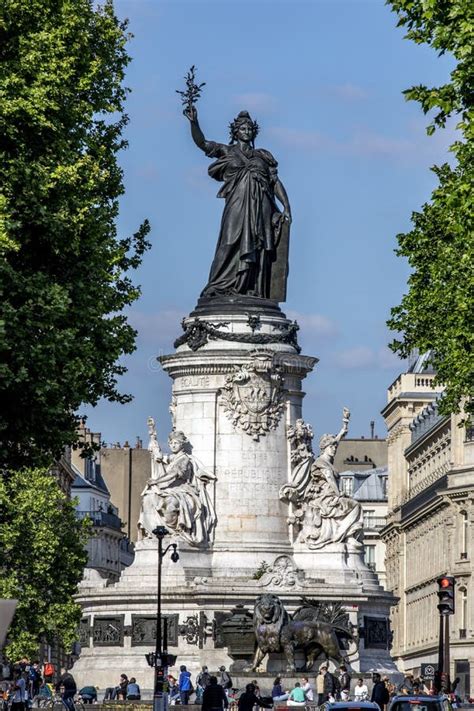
{"x":430,"y":527}
{"x":108,"y":548}
{"x":369,"y":487}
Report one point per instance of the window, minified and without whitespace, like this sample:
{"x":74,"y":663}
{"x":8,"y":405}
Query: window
{"x":463,"y":608}
{"x":369,"y":556}
{"x":464,"y":532}
{"x":347,"y":485}
{"x":369,"y":519}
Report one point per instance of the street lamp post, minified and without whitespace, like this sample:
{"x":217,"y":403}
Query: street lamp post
{"x":159,"y":660}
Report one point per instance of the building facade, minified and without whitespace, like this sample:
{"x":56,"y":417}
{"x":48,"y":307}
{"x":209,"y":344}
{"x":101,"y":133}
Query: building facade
{"x":108,"y":548}
{"x":430,"y":525}
{"x":369,"y":488}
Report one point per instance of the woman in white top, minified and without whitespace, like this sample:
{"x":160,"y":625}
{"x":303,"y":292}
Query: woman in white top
{"x":361,"y":691}
{"x":307,"y":688}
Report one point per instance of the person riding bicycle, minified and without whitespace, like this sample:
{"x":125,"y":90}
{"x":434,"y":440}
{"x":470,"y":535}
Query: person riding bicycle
{"x":67,"y":687}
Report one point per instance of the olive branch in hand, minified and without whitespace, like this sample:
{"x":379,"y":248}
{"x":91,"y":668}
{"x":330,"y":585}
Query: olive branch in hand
{"x":192,"y":92}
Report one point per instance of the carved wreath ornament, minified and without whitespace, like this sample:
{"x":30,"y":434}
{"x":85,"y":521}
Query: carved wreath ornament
{"x":253,"y":396}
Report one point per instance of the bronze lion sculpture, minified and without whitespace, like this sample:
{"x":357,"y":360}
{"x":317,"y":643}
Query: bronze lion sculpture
{"x":275,"y":632}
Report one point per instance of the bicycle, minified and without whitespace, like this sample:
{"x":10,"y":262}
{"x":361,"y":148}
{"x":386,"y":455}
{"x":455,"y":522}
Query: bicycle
{"x":58,"y":703}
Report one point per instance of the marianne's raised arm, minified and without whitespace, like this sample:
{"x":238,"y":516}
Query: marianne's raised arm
{"x":345,"y":425}
{"x":196,"y":132}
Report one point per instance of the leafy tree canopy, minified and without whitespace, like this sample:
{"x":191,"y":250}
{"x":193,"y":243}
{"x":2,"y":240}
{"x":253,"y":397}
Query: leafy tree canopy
{"x":63,"y":268}
{"x":437,"y":313}
{"x":42,"y":557}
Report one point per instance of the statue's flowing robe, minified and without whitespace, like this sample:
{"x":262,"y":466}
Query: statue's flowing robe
{"x":252,"y":251}
{"x":179,"y":500}
{"x":330,"y":517}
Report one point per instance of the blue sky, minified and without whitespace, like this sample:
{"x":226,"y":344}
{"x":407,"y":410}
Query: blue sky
{"x":324,"y":80}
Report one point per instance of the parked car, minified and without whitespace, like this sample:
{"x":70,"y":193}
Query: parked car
{"x":421,"y":702}
{"x":349,"y":706}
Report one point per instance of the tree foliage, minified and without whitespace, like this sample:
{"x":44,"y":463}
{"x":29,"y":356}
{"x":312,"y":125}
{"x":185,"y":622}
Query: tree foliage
{"x":437,"y":312}
{"x":63,"y":267}
{"x":42,"y":557}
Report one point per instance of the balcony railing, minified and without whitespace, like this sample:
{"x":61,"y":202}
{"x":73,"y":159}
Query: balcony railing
{"x":374,"y":523}
{"x":101,"y":518}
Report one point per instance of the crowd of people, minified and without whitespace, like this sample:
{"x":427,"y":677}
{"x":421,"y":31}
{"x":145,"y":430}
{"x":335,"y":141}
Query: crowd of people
{"x":30,"y":687}
{"x":214,"y":692}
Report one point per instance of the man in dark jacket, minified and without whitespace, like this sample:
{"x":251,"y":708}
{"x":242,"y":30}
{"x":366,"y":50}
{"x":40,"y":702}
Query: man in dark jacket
{"x":248,"y":700}
{"x":68,"y":688}
{"x":331,"y":685}
{"x":380,"y":693}
{"x":214,"y":697}
{"x":202,"y":681}
{"x":345,"y":682}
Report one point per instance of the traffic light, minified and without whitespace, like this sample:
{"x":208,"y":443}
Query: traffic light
{"x":446,"y":595}
{"x":160,"y":679}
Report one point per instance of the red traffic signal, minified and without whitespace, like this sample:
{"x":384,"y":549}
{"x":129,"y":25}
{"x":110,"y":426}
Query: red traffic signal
{"x":446,"y":595}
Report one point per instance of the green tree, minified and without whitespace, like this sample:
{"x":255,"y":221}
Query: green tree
{"x":42,"y":558}
{"x":437,"y":312}
{"x":64,"y":271}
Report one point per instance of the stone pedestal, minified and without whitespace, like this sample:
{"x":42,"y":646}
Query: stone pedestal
{"x":237,"y":375}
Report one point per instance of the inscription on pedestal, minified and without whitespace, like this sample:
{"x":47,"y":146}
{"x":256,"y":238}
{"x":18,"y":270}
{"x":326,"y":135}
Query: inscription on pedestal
{"x":192,"y":381}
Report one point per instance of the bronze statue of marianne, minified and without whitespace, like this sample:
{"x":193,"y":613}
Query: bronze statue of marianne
{"x":252,"y":251}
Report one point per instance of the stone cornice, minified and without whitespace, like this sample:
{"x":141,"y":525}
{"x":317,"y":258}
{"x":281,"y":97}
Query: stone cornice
{"x":221,"y":362}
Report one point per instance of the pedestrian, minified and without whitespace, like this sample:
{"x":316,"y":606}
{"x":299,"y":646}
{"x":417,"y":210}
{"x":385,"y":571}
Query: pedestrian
{"x":330,"y":685}
{"x":380,"y":693}
{"x":257,"y":688}
{"x":67,"y":688}
{"x":173,"y":690}
{"x":88,"y":694}
{"x":202,"y":682}
{"x":278,"y":692}
{"x":184,"y":685}
{"x":320,"y":686}
{"x":248,"y":700}
{"x":34,"y":679}
{"x":225,"y":680}
{"x":121,"y":689}
{"x":361,"y":691}
{"x":345,"y":682}
{"x":44,"y":692}
{"x":297,"y":696}
{"x":133,"y":690}
{"x":308,"y":689}
{"x":19,"y":690}
{"x":406,"y":687}
{"x":214,"y":697}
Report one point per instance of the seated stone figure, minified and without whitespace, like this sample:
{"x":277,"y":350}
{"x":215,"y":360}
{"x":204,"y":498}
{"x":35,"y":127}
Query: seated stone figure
{"x":176,"y":496}
{"x":322,"y":514}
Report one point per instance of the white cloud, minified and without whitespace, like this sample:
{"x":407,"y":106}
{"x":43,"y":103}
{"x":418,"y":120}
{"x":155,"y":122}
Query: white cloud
{"x":412,"y":147}
{"x":363,"y":357}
